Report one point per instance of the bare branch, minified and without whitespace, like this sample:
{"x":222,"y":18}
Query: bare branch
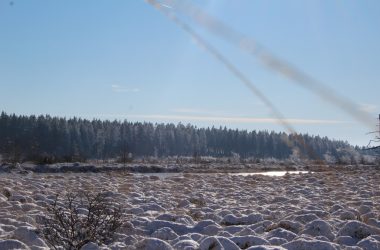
{"x":67,"y":226}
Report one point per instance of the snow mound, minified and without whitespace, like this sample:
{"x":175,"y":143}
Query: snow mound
{"x":90,"y":246}
{"x":247,"y":241}
{"x":358,"y":230}
{"x":165,"y":233}
{"x":153,"y":244}
{"x":186,"y":245}
{"x":218,"y":243}
{"x":302,"y":244}
{"x":29,"y":236}
{"x":266,"y":248}
{"x":319,"y":228}
{"x":369,"y":243}
{"x":231,"y":219}
{"x":12,"y":244}
{"x":281,"y":233}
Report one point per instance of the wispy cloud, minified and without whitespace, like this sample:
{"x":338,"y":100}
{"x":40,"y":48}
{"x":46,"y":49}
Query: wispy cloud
{"x":231,"y":119}
{"x":193,"y":111}
{"x":166,"y":6}
{"x":187,"y":110}
{"x":119,"y":89}
{"x":367,"y":107}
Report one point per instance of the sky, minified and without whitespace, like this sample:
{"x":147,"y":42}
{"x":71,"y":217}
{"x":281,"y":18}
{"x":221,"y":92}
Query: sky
{"x":126,"y":60}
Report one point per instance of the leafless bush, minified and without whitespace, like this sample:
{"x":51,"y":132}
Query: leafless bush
{"x":199,"y":202}
{"x":79,"y":218}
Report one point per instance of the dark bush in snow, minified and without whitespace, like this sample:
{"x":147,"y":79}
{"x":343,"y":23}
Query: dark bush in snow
{"x":79,"y":218}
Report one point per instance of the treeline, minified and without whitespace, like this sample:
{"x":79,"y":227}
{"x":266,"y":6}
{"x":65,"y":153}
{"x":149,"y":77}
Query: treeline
{"x":46,"y":138}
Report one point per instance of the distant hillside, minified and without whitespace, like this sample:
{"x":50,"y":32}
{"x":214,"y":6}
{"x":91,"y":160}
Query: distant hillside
{"x":59,"y":139}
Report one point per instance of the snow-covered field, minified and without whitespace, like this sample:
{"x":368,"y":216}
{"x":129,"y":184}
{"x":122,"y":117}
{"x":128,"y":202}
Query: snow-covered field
{"x":322,"y":210}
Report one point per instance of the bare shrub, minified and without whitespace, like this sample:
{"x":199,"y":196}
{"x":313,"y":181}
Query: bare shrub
{"x":79,"y":218}
{"x":195,"y":215}
{"x":199,"y":202}
{"x":6,"y":192}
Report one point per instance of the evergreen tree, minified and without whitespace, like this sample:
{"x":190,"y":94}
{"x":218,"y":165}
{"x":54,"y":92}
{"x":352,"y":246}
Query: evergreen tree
{"x":46,"y":138}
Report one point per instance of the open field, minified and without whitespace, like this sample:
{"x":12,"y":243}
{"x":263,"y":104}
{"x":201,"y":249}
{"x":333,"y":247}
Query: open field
{"x":321,"y":210}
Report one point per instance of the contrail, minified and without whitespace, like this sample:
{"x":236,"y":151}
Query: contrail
{"x":210,"y":49}
{"x":249,"y":45}
{"x":214,"y":52}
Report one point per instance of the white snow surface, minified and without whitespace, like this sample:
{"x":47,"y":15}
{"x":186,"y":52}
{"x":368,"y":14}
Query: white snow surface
{"x":320,"y":210}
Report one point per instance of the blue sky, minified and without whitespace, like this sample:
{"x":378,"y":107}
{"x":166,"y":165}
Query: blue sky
{"x":125,"y":60}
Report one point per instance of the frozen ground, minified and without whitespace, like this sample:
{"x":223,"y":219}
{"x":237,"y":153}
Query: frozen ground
{"x":157,"y":168}
{"x":323,"y":210}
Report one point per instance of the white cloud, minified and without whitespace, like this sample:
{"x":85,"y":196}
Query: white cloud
{"x":119,"y":89}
